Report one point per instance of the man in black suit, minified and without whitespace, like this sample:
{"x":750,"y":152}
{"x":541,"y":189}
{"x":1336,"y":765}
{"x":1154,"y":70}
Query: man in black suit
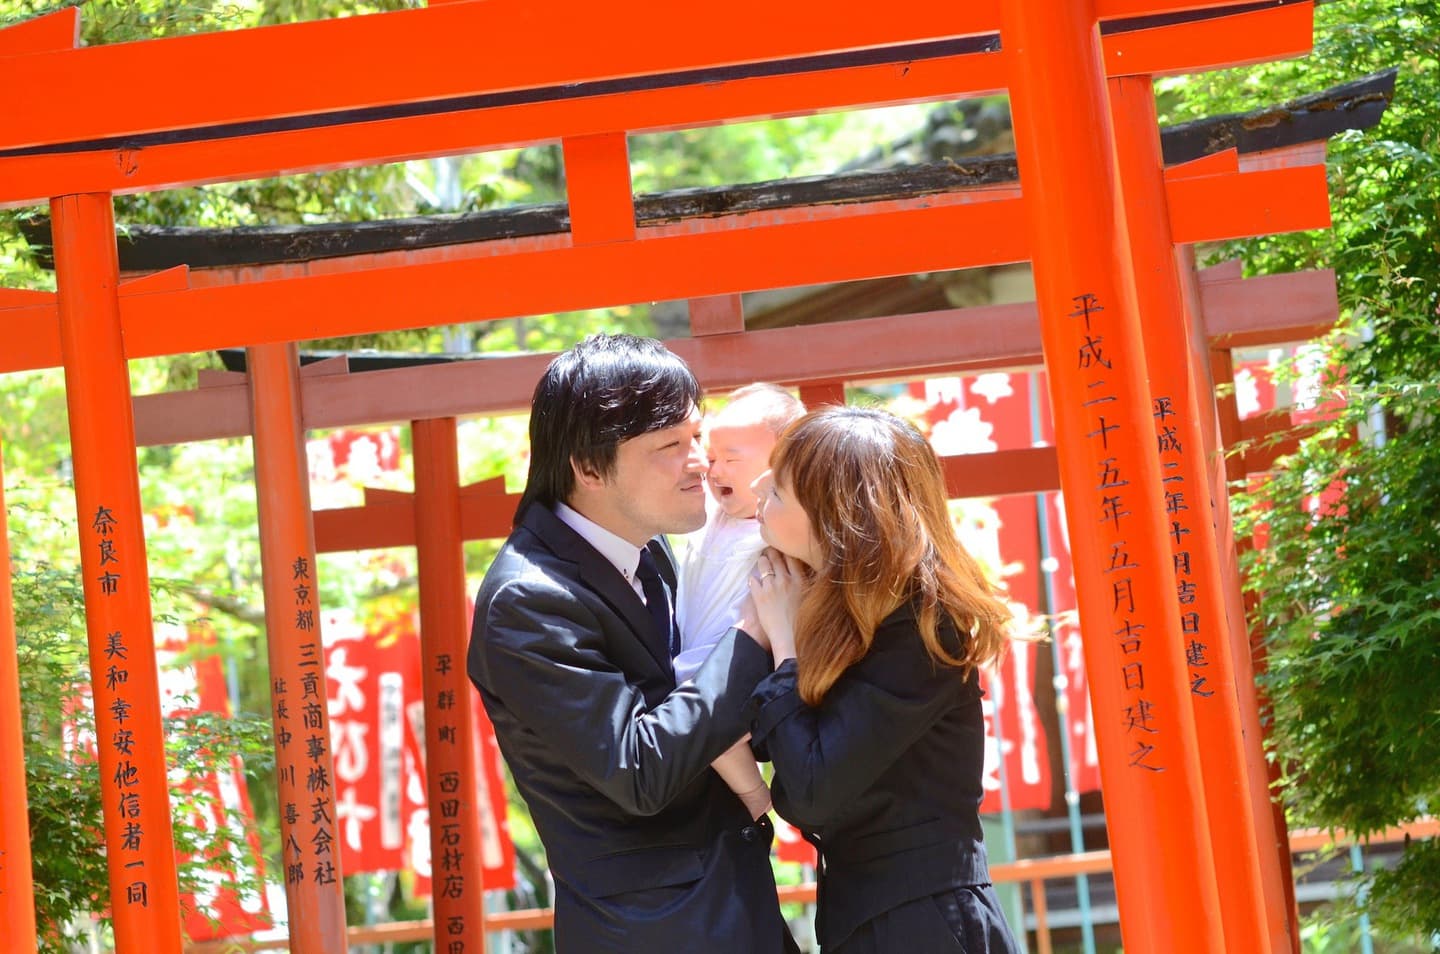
{"x":571,"y":649}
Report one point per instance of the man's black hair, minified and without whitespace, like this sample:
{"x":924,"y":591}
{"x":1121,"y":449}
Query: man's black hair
{"x":605,"y":390}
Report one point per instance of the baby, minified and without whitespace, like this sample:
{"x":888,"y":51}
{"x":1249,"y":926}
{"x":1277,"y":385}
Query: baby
{"x":719,"y":557}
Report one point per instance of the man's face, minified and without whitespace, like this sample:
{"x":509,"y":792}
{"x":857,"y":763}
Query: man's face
{"x":658,"y":484}
{"x":738,"y":454}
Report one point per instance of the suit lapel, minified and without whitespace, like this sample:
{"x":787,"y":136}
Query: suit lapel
{"x":599,"y":575}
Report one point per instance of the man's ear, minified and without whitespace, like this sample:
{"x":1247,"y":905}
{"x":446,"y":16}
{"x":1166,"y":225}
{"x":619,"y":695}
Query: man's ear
{"x":586,"y":475}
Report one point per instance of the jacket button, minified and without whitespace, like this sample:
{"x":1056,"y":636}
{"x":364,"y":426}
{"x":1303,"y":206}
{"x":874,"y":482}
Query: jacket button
{"x":749,"y":833}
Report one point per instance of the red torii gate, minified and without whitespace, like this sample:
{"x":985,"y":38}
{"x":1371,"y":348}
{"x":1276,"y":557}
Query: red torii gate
{"x":441,"y":514}
{"x":84,"y":141}
{"x":1236,"y":312}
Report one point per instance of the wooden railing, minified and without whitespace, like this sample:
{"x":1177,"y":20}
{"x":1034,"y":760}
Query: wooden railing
{"x":1033,"y":872}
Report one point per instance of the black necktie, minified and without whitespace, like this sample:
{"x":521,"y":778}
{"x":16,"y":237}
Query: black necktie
{"x":657,"y":599}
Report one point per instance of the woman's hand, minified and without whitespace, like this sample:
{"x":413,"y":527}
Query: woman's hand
{"x":776,"y":586}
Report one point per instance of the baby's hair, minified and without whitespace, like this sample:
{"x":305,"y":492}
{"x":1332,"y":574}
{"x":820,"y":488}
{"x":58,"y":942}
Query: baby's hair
{"x":769,"y":404}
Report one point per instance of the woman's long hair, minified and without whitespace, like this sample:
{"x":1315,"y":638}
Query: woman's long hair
{"x":875,"y":495}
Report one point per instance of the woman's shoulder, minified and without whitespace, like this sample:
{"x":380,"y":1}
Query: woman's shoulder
{"x":906,"y":617}
{"x":898,"y":638}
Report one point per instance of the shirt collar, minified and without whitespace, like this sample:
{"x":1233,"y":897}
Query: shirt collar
{"x":619,"y":551}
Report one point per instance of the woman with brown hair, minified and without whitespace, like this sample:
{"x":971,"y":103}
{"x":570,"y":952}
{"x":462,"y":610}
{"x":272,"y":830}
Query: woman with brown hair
{"x":877,"y":619}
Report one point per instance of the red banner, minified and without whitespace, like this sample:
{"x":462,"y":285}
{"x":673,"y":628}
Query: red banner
{"x":368,"y":686}
{"x":789,"y":845}
{"x":1074,"y":698}
{"x":975,"y":415}
{"x":377,"y":735}
{"x":1051,"y":591}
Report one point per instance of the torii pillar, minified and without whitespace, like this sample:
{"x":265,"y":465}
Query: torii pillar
{"x":1110,"y":469}
{"x":437,"y":519}
{"x":139,"y":837}
{"x":452,"y":766}
{"x":304,"y":767}
{"x":1249,"y":878}
{"x":17,"y":893}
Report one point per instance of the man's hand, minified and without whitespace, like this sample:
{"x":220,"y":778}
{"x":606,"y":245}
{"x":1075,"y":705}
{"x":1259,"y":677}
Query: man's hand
{"x":750,"y":624}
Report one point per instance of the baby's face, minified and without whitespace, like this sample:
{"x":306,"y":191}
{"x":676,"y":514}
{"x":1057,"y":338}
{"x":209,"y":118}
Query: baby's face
{"x":738,"y":454}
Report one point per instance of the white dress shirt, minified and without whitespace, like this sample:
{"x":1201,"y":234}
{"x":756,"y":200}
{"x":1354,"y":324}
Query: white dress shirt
{"x":619,"y":551}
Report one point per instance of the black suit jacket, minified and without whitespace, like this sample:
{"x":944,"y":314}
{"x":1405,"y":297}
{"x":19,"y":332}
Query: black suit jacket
{"x":884,"y":775}
{"x":649,"y":849}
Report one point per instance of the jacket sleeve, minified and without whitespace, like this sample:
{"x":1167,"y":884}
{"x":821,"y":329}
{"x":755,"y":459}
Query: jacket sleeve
{"x":826,"y":756}
{"x":546,"y":660}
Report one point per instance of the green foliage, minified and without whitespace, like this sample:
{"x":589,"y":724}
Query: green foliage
{"x":64,"y":791}
{"x":1338,"y":929}
{"x":35,"y":425}
{"x":1407,"y":897}
{"x":764,"y":150}
{"x":1352,"y":616}
{"x":117,"y":20}
{"x":1349,"y":581}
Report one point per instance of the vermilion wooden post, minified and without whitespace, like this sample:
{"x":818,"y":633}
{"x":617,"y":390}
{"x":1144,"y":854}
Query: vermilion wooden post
{"x":17,"y":892}
{"x":1272,"y":837}
{"x":817,"y":394}
{"x":452,"y":765}
{"x":1222,"y":368}
{"x":304,"y":768}
{"x":1110,"y":470}
{"x":1252,"y":907}
{"x":139,"y":840}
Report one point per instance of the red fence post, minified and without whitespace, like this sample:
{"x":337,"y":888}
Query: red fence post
{"x":817,"y":394}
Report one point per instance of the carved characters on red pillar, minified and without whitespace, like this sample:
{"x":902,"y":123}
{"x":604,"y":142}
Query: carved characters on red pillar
{"x":1138,"y":713}
{"x":125,"y":782}
{"x":1194,"y":629}
{"x":300,"y":732}
{"x":190,"y":683}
